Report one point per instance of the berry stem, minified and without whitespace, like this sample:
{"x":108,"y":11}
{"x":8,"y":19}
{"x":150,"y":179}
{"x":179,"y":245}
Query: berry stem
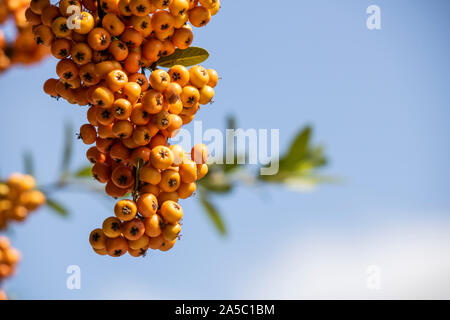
{"x":137,"y":180}
{"x":101,"y":13}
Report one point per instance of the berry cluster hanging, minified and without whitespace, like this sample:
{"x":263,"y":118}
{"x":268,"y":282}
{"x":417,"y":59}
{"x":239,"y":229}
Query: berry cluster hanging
{"x":104,"y":52}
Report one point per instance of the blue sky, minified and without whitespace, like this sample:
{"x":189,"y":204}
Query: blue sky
{"x":378,"y":100}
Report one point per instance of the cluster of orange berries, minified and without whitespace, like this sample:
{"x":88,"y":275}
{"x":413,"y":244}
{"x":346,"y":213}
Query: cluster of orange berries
{"x":23,"y":49}
{"x":18,"y":198}
{"x":121,"y":35}
{"x":102,"y":64}
{"x":9,"y":258}
{"x":152,"y":219}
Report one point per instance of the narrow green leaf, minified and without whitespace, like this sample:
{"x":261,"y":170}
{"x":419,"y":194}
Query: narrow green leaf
{"x":231,"y":122}
{"x":28,"y":163}
{"x":188,"y":57}
{"x":214,"y":216}
{"x":84,"y":172}
{"x":67,"y":150}
{"x":297,"y":150}
{"x":57,"y":207}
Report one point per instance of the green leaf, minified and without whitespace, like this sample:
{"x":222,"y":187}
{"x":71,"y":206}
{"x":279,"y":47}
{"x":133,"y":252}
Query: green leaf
{"x":57,"y":207}
{"x":67,"y":151}
{"x":316,"y":155}
{"x":217,"y":180}
{"x":297,"y":150}
{"x":84,"y":172}
{"x":214,"y":216}
{"x":231,"y":122}
{"x":28,"y":163}
{"x":188,"y":57}
{"x":217,"y":187}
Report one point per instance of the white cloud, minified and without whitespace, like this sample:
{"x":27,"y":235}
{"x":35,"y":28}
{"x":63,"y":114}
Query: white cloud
{"x":414,"y":261}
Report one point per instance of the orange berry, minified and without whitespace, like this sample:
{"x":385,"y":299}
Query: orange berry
{"x":142,"y":153}
{"x":168,"y":196}
{"x":123,"y":129}
{"x":141,"y":135}
{"x":199,"y":76}
{"x":132,"y":63}
{"x":162,"y":21}
{"x":170,"y":231}
{"x":150,"y":175}
{"x":111,"y":227}
{"x":119,"y":152}
{"x":199,"y":154}
{"x":97,"y":239}
{"x":152,"y":101}
{"x":125,"y":210}
{"x":153,"y":225}
{"x":159,"y":80}
{"x":116,"y":80}
{"x":104,"y":145}
{"x":105,"y":117}
{"x":170,"y":180}
{"x":179,"y":74}
{"x":190,"y":96}
{"x":113,"y":24}
{"x":61,"y":48}
{"x":139,"y":244}
{"x":161,"y":157}
{"x":150,"y":188}
{"x":140,"y":79}
{"x":199,"y":16}
{"x":139,"y":115}
{"x":37,"y":6}
{"x":202,"y":171}
{"x":50,"y":87}
{"x":103,"y":97}
{"x":88,"y":133}
{"x":119,"y":50}
{"x":117,"y":247}
{"x":188,"y":171}
{"x":43,"y":35}
{"x":101,"y":172}
{"x":147,"y":205}
{"x":206,"y":94}
{"x":132,"y":38}
{"x":140,"y":7}
{"x":186,"y":190}
{"x":151,"y":49}
{"x":213,"y":78}
{"x":182,"y":38}
{"x":99,"y":39}
{"x":156,"y":242}
{"x":122,"y":109}
{"x":178,"y":154}
{"x":171,"y":211}
{"x":123,"y":177}
{"x":157,"y":141}
{"x":114,"y":191}
{"x":133,"y":230}
{"x":94,"y":155}
{"x":131,"y":92}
